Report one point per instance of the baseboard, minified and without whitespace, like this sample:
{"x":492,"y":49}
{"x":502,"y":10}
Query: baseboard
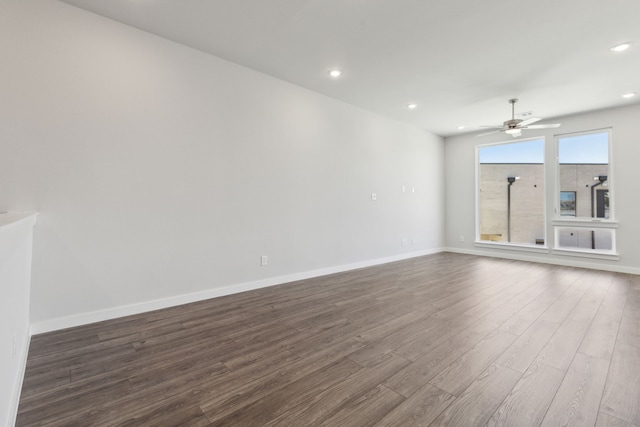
{"x":112,"y":313}
{"x":565,"y":261}
{"x":15,"y":398}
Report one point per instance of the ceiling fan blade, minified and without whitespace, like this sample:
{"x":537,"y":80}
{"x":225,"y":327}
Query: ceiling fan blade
{"x":516,"y":134}
{"x":529,"y":121}
{"x":549,"y":126}
{"x":490,"y":133}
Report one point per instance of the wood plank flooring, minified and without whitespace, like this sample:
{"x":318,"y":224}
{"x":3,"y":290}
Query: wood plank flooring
{"x":445,"y":339}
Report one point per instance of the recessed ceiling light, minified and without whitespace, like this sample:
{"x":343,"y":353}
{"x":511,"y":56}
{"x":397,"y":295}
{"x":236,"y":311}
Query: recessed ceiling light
{"x":411,"y":106}
{"x":621,"y":47}
{"x":335,"y":73}
{"x":629,"y":95}
{"x":460,"y":127}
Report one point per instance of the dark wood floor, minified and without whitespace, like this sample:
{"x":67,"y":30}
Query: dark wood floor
{"x":445,"y":339}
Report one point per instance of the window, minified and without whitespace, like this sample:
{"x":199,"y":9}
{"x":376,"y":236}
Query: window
{"x":567,"y":203}
{"x":511,"y":193}
{"x":584,"y":180}
{"x":584,"y":238}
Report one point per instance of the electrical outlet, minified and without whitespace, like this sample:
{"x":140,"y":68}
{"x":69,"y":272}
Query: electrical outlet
{"x":461,"y":238}
{"x":404,"y":242}
{"x":403,"y":189}
{"x":263,"y":260}
{"x":374,"y":196}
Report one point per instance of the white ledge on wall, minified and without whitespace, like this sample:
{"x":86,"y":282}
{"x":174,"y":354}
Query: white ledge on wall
{"x":612,"y":256}
{"x":584,"y":223}
{"x":10,"y":219}
{"x":16,"y":237}
{"x":511,"y":246}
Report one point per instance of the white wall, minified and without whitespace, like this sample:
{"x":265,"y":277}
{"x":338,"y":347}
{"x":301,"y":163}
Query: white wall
{"x":160,"y":171}
{"x":625,"y":180}
{"x":16,"y":237}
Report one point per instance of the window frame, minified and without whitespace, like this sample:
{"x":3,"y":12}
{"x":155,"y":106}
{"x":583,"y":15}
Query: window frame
{"x":558,"y":222}
{"x":508,"y":245}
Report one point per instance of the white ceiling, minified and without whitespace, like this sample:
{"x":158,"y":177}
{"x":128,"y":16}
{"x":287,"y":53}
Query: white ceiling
{"x":459,"y":60}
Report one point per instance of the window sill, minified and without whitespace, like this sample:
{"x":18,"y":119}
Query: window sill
{"x":609,"y":255}
{"x":511,"y":246}
{"x":585,"y":223}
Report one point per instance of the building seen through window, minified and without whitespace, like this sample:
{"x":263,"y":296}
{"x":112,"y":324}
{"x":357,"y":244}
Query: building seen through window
{"x":512,"y":192}
{"x":583,"y":165}
{"x":511,"y":198}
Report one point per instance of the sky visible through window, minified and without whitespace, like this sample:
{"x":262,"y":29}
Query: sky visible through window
{"x":590,"y":148}
{"x":518,"y":152}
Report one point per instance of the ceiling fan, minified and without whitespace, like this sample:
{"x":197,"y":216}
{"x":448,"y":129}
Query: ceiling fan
{"x":514,"y":126}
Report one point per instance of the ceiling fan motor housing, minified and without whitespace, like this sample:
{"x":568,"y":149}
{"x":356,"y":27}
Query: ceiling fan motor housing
{"x":512,"y":124}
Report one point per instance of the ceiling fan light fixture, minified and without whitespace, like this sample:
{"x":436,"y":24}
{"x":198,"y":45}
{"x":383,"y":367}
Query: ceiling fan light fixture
{"x":515,"y":126}
{"x":620,"y":47}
